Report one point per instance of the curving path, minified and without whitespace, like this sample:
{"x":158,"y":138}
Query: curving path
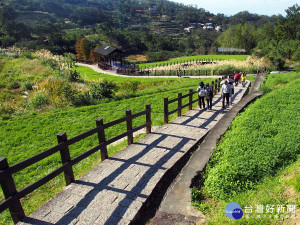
{"x":114,"y":73}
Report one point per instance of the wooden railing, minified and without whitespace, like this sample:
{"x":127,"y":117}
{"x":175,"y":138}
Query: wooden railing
{"x":12,"y":196}
{"x":216,"y":88}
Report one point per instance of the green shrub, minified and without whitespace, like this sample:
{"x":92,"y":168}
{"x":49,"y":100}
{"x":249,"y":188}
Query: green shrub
{"x":68,"y":92}
{"x":13,"y":84}
{"x":105,"y":89}
{"x":28,"y":86}
{"x":257,"y":146}
{"x":69,"y":75}
{"x":38,"y":100}
{"x":82,"y":100}
{"x":27,"y":54}
{"x":5,"y":116}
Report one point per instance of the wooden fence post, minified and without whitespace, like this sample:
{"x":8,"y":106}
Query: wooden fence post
{"x":101,"y":137}
{"x":213,"y":87}
{"x":219,"y":84}
{"x":9,"y":190}
{"x":191,"y":99}
{"x":166,"y":110}
{"x":216,"y":85}
{"x":129,"y":126}
{"x":179,"y":104}
{"x":66,"y":158}
{"x":148,"y":119}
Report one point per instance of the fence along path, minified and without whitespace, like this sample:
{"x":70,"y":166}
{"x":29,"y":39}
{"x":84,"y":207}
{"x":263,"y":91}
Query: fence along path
{"x":119,"y":190}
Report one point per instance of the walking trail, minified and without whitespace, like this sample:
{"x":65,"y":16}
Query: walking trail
{"x":127,"y":187}
{"x":176,"y":207}
{"x":114,"y":73}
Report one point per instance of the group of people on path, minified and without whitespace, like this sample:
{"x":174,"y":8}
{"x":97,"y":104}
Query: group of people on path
{"x":227,"y":91}
{"x":205,"y":91}
{"x":240,"y":76}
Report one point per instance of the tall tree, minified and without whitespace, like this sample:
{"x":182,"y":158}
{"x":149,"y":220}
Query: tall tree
{"x":82,"y":48}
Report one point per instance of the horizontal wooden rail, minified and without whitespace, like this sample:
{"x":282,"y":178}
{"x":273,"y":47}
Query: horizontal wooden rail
{"x":81,"y":136}
{"x":34,"y":159}
{"x":12,"y":196}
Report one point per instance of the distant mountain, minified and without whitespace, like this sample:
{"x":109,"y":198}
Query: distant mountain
{"x":54,"y":24}
{"x":117,"y":12}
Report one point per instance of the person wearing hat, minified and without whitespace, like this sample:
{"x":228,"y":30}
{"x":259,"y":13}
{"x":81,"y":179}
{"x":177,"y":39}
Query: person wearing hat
{"x":201,"y":95}
{"x":209,"y":95}
{"x":225,"y":91}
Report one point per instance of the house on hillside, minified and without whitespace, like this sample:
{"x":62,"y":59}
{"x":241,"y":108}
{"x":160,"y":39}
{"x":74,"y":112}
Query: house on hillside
{"x":208,"y":26}
{"x":189,"y":29}
{"x":153,"y":10}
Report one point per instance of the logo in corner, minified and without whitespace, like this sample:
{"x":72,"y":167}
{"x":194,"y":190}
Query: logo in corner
{"x":233,"y":211}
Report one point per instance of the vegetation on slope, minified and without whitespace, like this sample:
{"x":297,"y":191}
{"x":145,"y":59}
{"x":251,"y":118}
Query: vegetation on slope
{"x":26,"y":135}
{"x":261,"y":141}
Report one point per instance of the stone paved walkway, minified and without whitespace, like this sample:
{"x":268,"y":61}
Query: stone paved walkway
{"x":176,"y":207}
{"x":117,"y":191}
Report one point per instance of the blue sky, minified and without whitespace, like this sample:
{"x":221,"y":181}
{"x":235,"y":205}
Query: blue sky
{"x":231,"y":7}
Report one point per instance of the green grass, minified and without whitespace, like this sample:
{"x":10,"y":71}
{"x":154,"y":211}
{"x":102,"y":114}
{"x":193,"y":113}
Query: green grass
{"x":257,"y":160}
{"x":147,"y":85}
{"x":197,"y":57}
{"x":257,"y":146}
{"x":14,"y":72}
{"x":274,"y":81}
{"x":26,"y":135}
{"x":273,"y":190}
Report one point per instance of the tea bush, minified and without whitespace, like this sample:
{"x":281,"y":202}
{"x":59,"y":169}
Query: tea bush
{"x":257,"y":146}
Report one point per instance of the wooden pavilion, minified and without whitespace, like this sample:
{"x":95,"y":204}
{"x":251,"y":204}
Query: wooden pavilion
{"x":108,"y":57}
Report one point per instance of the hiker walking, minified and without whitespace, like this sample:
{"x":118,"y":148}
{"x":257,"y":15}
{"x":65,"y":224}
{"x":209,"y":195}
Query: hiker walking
{"x":179,"y":73}
{"x":243,"y":78}
{"x":231,"y":91}
{"x":201,"y":95}
{"x":209,"y":96}
{"x":258,"y":70}
{"x":236,"y":79}
{"x":225,"y":90}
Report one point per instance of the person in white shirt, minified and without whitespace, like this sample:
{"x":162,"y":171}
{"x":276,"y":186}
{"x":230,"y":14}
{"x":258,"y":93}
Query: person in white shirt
{"x":201,"y":94}
{"x":225,"y":91}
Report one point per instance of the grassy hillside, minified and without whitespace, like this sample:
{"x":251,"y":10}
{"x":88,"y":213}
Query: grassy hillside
{"x":247,"y":163}
{"x":59,"y":89}
{"x":26,"y":135}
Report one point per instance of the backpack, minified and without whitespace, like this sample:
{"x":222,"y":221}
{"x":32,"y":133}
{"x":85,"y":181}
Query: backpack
{"x":210,"y":92}
{"x":202,"y":92}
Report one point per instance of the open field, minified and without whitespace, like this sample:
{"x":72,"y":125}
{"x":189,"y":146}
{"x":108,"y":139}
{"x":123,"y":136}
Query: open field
{"x":195,"y":58}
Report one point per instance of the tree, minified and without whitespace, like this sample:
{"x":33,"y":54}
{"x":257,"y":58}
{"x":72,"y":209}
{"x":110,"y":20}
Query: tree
{"x":82,"y":48}
{"x":11,"y":30}
{"x":289,"y":27}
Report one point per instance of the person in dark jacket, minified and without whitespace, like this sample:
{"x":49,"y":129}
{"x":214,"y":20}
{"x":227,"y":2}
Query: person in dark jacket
{"x":209,"y":96}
